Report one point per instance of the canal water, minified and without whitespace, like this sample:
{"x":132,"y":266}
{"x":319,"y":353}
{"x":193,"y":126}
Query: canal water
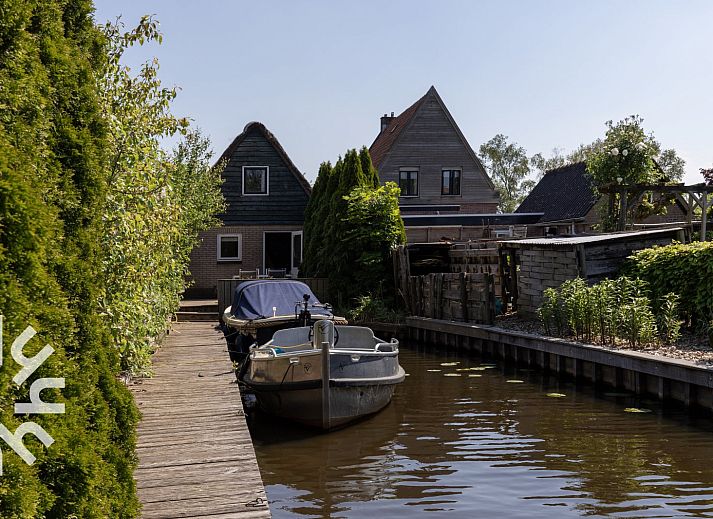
{"x":467,"y":438}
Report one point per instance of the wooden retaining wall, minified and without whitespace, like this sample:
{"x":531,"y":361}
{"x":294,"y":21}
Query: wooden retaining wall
{"x":226,"y":288}
{"x":661,"y":377}
{"x":458,"y":297}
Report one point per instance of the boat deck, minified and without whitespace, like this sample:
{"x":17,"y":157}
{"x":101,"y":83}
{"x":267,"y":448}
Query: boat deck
{"x":196,"y":458}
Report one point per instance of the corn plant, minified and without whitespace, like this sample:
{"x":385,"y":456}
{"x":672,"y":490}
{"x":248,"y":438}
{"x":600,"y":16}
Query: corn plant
{"x":668,"y":318}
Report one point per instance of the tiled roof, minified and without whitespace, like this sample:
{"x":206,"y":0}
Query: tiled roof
{"x":383,"y":142}
{"x":564,"y":193}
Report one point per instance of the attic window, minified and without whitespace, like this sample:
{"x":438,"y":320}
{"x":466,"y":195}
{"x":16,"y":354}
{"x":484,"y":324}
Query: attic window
{"x":408,"y":182}
{"x":255,"y":180}
{"x":450,"y":184}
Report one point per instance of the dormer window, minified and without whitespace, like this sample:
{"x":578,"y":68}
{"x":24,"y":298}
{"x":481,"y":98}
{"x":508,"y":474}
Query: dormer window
{"x":408,"y":181}
{"x":256,"y":180}
{"x":450,"y":182}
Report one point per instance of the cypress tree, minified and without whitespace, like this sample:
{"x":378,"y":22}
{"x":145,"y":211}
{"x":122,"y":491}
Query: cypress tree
{"x":372,"y":176}
{"x":310,"y":226}
{"x":52,"y":187}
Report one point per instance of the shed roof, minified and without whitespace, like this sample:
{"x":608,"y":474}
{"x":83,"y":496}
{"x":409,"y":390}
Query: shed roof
{"x":581,"y":240}
{"x":564,"y":193}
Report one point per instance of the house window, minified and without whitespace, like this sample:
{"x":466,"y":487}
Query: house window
{"x":450,"y":183}
{"x":230,"y":247}
{"x":255,"y":180}
{"x":408,"y":182}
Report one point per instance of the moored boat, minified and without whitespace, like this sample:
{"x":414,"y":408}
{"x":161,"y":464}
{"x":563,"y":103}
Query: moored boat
{"x":324,"y":375}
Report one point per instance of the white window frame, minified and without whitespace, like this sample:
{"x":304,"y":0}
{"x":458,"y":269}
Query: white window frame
{"x":460,"y":181}
{"x":267,"y":180}
{"x":418,"y":181}
{"x":219,"y":239}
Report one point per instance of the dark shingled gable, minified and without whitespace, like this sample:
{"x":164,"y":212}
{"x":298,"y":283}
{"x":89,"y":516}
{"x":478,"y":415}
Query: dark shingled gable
{"x":564,"y":193}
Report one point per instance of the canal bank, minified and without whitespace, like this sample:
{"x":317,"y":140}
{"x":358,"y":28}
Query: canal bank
{"x":664,"y":378}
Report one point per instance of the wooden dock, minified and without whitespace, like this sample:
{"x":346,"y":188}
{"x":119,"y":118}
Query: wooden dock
{"x":196,"y":458}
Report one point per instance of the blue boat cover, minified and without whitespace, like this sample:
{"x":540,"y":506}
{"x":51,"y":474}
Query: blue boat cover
{"x":255,"y":299}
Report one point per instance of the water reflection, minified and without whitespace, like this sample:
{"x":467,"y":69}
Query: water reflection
{"x":486,"y":446}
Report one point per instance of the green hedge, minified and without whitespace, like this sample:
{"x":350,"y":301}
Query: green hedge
{"x":686,"y":270}
{"x":52,"y":190}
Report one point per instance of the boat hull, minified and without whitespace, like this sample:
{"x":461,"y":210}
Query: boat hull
{"x":289,"y":384}
{"x":347,"y":402}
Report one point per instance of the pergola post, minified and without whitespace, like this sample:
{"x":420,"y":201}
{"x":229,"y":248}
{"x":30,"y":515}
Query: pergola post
{"x":704,"y":215}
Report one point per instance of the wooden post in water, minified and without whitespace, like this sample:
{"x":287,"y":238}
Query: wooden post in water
{"x":323,"y":337}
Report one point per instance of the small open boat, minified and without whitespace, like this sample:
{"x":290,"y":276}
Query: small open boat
{"x":324,"y":375}
{"x":310,"y":367}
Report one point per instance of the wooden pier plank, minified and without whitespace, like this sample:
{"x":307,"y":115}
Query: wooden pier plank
{"x":196,"y":458}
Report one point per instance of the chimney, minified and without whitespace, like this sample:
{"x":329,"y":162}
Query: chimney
{"x":386,"y":120}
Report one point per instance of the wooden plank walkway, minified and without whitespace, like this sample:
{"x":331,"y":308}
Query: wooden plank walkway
{"x":196,"y":458}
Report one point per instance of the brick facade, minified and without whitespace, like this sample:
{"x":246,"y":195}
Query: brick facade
{"x":205,"y":267}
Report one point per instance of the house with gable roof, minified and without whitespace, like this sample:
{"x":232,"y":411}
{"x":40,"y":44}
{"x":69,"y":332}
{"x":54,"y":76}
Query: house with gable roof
{"x":266,"y":197}
{"x":424,"y":151}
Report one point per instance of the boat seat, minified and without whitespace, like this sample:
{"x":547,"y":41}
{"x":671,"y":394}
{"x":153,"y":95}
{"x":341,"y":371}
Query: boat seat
{"x":292,"y":336}
{"x":355,"y":337}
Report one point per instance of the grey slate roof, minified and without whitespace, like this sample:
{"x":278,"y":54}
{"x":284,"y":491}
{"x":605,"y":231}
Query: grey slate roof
{"x":564,"y":193}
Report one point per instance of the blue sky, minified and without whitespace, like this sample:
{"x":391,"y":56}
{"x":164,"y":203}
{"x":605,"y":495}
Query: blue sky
{"x":548,"y":74}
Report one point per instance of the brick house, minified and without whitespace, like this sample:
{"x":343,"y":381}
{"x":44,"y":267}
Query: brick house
{"x":567,"y":197}
{"x":266,"y":196}
{"x":426,"y":154}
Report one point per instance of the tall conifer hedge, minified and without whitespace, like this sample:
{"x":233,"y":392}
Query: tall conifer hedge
{"x":52,"y":187}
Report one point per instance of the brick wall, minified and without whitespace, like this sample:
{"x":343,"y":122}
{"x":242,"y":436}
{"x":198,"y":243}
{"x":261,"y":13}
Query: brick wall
{"x":542,"y":268}
{"x":206,"y":269}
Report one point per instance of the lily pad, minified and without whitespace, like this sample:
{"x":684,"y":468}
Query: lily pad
{"x":636,"y":410}
{"x":449,"y":363}
{"x":473,"y":375}
{"x":452,"y":375}
{"x":556,"y":395}
{"x":434,"y":370}
{"x":514,"y":381}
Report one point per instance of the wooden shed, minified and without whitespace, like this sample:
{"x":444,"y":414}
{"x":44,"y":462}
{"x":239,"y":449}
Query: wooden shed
{"x":543,"y":263}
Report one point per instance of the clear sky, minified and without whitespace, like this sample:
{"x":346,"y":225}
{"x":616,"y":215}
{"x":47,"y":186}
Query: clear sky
{"x":548,"y":74}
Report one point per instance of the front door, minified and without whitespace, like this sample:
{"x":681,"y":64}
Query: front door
{"x":283,"y":250}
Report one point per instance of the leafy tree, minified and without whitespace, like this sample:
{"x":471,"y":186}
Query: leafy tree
{"x":629,"y":155}
{"x":543,"y":165}
{"x":508,"y":167}
{"x":671,"y":164}
{"x":707,"y":175}
{"x":156,"y":203}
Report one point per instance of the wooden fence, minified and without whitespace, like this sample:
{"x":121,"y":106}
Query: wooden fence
{"x":461,"y":297}
{"x":226,"y":288}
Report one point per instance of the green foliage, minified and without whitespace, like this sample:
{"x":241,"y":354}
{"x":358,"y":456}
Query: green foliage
{"x":669,"y":321}
{"x":628,"y":155}
{"x":605,"y":312}
{"x":508,"y":167}
{"x":685,"y":270}
{"x":52,"y":188}
{"x":351,"y":226}
{"x":156,"y":203}
{"x":369,"y":309}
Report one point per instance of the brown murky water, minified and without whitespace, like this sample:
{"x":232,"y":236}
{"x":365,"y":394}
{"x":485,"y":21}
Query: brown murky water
{"x":491,"y":443}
